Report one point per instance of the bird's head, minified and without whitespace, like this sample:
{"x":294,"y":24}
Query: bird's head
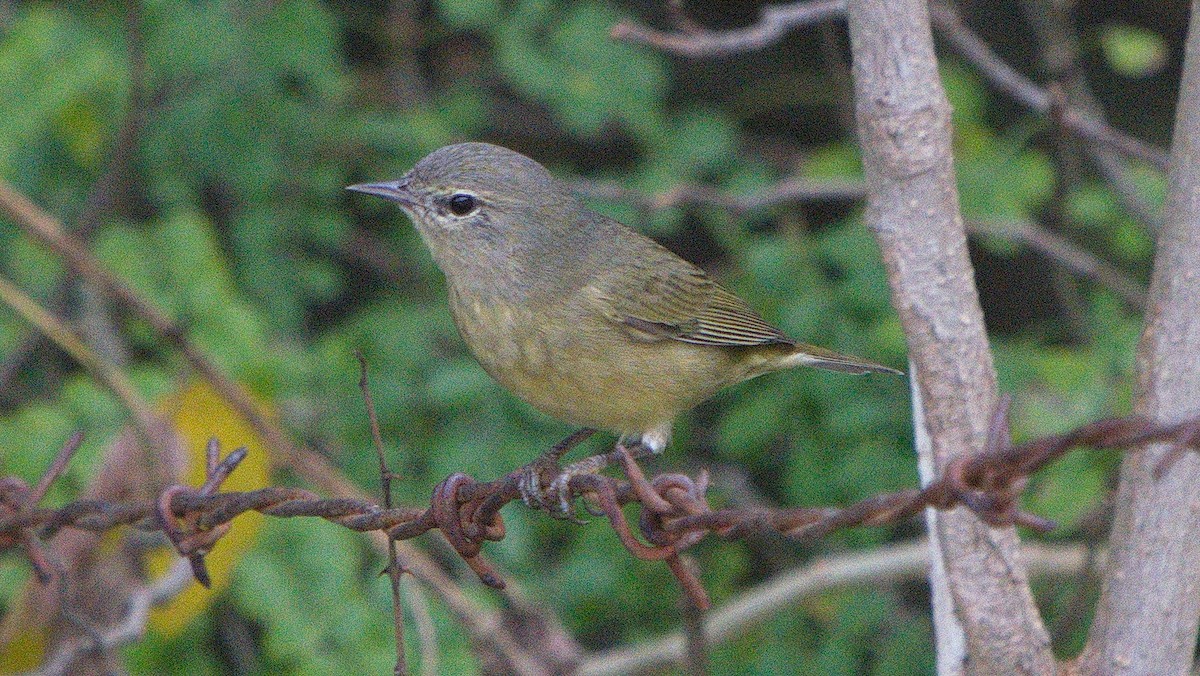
{"x":473,"y":200}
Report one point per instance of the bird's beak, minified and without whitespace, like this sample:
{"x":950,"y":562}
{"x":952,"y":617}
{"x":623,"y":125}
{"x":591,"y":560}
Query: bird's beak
{"x":395,"y":191}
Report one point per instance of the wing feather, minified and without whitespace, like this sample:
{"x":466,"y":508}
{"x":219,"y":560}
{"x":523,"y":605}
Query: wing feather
{"x":678,"y":301}
{"x":654,"y":295}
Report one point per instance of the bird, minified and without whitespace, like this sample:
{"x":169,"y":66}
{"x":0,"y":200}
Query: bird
{"x":577,"y":314}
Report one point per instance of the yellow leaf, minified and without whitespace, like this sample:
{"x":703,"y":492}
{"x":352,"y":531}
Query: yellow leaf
{"x":199,"y":413}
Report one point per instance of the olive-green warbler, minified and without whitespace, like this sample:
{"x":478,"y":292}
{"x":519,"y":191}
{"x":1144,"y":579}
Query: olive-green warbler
{"x":575,"y":313}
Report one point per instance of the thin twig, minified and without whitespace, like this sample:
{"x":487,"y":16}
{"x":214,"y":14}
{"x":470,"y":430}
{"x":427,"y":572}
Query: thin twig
{"x":776,"y":20}
{"x":16,"y":496}
{"x":101,"y":197}
{"x":47,"y":230}
{"x":57,"y":467}
{"x":1054,"y":27}
{"x":1065,"y":253}
{"x":1024,"y":90}
{"x":128,"y":630}
{"x":394,"y":569}
{"x":949,"y":637}
{"x":773,"y":24}
{"x":1067,"y":170}
{"x":426,"y":630}
{"x":1055,"y":247}
{"x":149,"y":425}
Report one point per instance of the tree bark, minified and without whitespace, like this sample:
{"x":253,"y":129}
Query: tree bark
{"x":1146,"y":620}
{"x":912,"y":207}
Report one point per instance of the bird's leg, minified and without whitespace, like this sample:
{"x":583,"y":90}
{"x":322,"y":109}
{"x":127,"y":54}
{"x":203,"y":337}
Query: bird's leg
{"x":545,"y":469}
{"x":560,"y":486}
{"x":545,"y":485}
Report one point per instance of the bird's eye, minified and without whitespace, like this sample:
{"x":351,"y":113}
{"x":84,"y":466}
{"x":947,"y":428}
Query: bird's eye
{"x":462,"y":204}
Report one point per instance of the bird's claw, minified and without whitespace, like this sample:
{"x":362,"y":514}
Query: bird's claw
{"x":529,"y":485}
{"x":553,"y":496}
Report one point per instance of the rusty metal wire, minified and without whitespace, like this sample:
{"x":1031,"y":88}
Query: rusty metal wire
{"x":674,"y":511}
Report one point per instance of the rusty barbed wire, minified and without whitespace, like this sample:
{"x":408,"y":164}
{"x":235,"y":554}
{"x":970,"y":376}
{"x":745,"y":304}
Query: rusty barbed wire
{"x":675,"y":513}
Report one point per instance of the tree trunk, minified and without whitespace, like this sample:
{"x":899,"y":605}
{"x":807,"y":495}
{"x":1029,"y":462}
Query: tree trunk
{"x":1149,"y":606}
{"x":912,"y":206}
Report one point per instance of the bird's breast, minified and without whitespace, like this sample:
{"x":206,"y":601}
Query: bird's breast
{"x":577,"y":366}
{"x":504,"y":336}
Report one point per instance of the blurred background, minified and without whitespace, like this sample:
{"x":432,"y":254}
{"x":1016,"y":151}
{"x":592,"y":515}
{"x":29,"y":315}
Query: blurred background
{"x":201,"y":148}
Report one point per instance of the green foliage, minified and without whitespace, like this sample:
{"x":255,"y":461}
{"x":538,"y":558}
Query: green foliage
{"x":236,"y":224}
{"x":1133,"y":51}
{"x":565,"y":59}
{"x":55,"y":73}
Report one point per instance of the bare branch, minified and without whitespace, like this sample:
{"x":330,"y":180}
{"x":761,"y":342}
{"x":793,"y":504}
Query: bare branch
{"x":773,"y":24}
{"x":47,"y":230}
{"x":16,"y":495}
{"x":1021,"y":88}
{"x":949,"y":637}
{"x":1029,"y":233}
{"x":394,"y":569}
{"x":1149,"y":608}
{"x":150,"y":426}
{"x":426,"y":631}
{"x":904,"y":127}
{"x":113,"y":179}
{"x":873,"y":568}
{"x":485,"y":627}
{"x":130,"y":629}
{"x":792,"y":189}
{"x":1067,"y":254}
{"x":776,"y":20}
{"x":1054,"y":27}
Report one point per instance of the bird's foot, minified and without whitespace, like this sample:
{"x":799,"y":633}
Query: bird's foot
{"x":546,"y":486}
{"x":543,"y":484}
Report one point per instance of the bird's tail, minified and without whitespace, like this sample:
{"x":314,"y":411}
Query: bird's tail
{"x":819,"y":357}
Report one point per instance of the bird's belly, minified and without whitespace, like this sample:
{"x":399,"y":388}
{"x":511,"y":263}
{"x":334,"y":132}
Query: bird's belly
{"x":589,"y":374}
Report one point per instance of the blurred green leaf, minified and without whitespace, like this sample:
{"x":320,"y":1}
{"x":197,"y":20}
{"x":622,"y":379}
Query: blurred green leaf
{"x":1133,"y":51}
{"x":50,"y":67}
{"x":588,"y":79}
{"x":470,"y":13}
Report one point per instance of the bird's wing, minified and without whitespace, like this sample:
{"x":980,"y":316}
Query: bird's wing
{"x":673,"y":299}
